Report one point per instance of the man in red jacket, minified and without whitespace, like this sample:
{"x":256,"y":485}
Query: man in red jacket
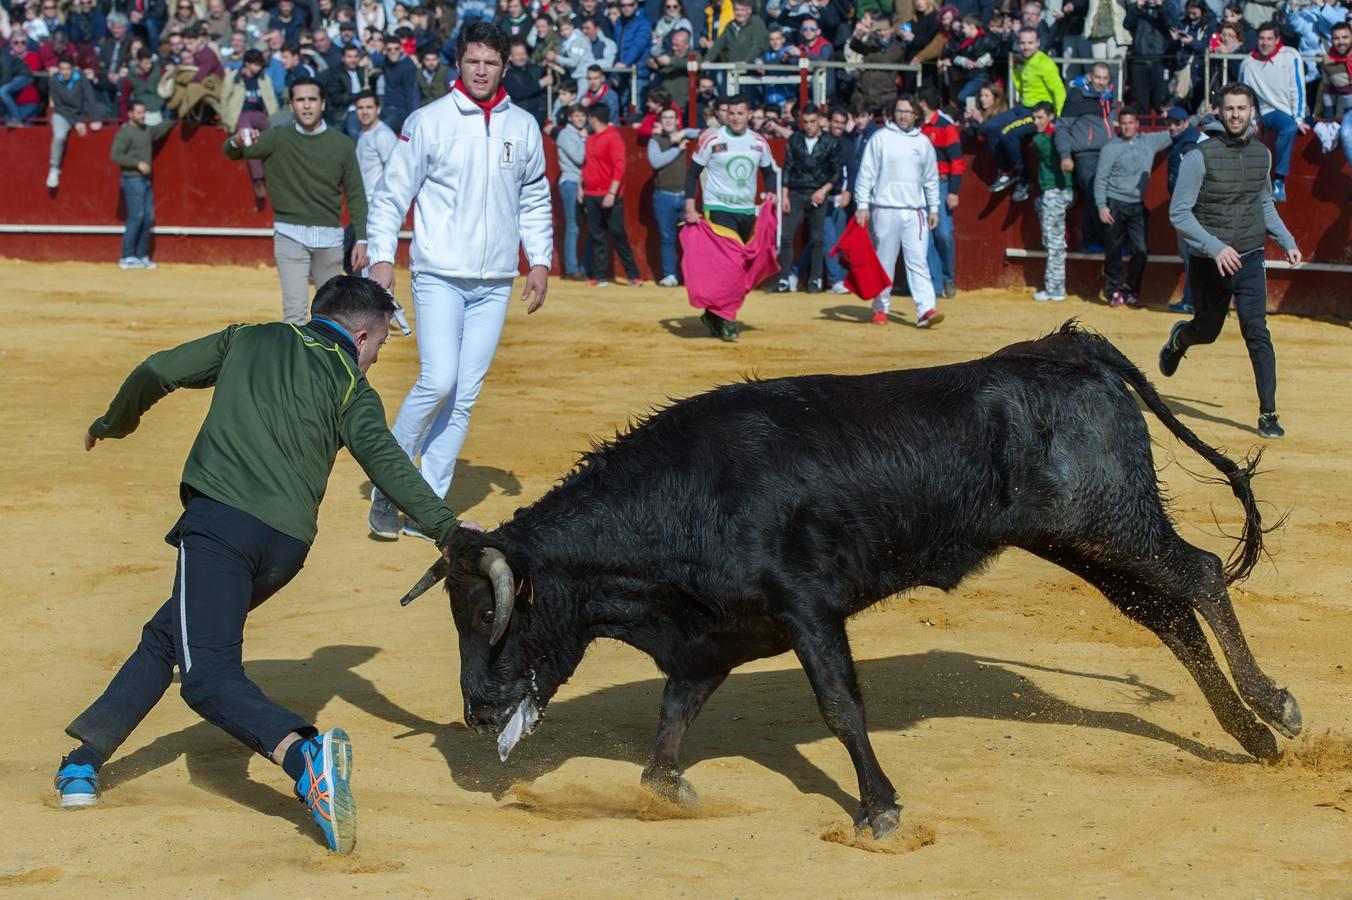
{"x":602,"y":200}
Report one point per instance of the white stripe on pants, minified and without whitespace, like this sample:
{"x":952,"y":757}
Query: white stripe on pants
{"x":905,"y":231}
{"x":459,"y":321}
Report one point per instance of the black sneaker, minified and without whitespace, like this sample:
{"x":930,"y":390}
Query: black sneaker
{"x":1171,"y":354}
{"x":383,"y":518}
{"x":713,"y":323}
{"x":783,"y":286}
{"x":1181,"y":307}
{"x":728,"y":331}
{"x":1269,"y":427}
{"x":1003,"y":183}
{"x":1020,"y":192}
{"x":814,"y":287}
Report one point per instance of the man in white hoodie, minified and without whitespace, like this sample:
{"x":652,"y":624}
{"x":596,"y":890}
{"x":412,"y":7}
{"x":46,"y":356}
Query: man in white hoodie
{"x":897,"y":192}
{"x":476,"y":164}
{"x":1277,"y":75}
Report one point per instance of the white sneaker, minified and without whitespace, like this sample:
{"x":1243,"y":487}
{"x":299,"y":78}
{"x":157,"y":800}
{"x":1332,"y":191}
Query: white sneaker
{"x":1042,"y":296}
{"x":839,"y":288}
{"x":129,"y":262}
{"x":669,"y":281}
{"x":53,"y":177}
{"x":148,"y":263}
{"x":793,"y":282}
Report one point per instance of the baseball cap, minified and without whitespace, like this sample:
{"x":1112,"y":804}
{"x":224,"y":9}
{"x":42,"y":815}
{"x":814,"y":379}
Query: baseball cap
{"x":1177,"y":114}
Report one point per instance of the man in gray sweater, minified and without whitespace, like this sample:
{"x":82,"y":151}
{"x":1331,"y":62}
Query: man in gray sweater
{"x":133,"y":149}
{"x":1222,"y":206}
{"x":1119,"y":194}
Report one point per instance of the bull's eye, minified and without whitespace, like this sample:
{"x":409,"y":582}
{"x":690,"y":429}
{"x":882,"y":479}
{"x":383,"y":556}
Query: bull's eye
{"x":486,"y":617}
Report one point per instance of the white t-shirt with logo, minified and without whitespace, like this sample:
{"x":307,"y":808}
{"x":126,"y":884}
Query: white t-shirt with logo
{"x":730,"y":163}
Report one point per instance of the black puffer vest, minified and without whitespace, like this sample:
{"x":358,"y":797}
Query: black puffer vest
{"x":1229,"y":204}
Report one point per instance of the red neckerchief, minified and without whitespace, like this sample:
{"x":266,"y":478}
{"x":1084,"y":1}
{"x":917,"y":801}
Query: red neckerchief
{"x":599,"y":94}
{"x":971,"y":40}
{"x":485,"y":105}
{"x":1261,"y":58}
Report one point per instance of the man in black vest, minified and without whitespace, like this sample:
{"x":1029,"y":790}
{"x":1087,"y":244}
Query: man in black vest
{"x":1222,"y":207}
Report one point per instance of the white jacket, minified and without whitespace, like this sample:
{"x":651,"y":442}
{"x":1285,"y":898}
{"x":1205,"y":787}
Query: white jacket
{"x":481,"y":189}
{"x":898,"y":171}
{"x":1278,"y":83}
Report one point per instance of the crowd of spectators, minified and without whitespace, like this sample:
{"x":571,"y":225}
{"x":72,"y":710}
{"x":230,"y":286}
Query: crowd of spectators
{"x":983,"y":66}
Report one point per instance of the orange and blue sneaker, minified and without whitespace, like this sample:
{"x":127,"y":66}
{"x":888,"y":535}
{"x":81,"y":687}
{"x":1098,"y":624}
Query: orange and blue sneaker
{"x":324,"y":788}
{"x":78,"y":785}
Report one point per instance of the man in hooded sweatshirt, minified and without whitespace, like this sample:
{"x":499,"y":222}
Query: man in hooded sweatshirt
{"x":1277,"y":76}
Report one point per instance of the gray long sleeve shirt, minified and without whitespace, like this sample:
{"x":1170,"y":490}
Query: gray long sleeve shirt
{"x":572,"y":147}
{"x":1124,"y":167}
{"x":1199,"y":241}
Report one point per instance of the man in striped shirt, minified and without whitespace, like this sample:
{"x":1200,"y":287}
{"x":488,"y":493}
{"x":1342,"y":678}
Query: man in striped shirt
{"x":943,"y":133}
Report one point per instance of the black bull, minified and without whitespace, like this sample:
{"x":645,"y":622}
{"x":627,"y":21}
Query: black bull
{"x":757,"y":518}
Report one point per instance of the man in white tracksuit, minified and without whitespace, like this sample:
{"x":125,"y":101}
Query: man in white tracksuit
{"x":897,"y":191}
{"x":476,"y":164}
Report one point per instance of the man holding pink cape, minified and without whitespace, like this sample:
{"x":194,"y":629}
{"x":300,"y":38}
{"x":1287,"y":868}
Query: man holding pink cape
{"x":720,"y":270}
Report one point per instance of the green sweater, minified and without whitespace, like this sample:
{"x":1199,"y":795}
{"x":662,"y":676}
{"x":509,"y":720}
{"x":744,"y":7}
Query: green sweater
{"x":287,"y":397}
{"x":304,"y":172}
{"x":1049,"y":174}
{"x":132,"y":144}
{"x":1039,"y":79}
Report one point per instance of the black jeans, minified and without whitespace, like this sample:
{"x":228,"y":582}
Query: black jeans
{"x":800,"y":208}
{"x":1148,"y":85}
{"x":1211,"y":295}
{"x":1086,"y":166}
{"x":602,"y":222}
{"x":228,"y":563}
{"x":743,"y":224}
{"x":1128,"y":229}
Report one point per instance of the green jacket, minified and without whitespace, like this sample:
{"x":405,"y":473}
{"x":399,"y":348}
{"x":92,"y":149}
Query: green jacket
{"x":740,"y":43}
{"x":1049,"y":174}
{"x":304,"y":173}
{"x":1039,"y":79}
{"x":287,"y":397}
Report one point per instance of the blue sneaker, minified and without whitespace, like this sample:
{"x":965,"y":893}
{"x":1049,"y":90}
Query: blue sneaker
{"x":324,"y":788}
{"x":77,"y":785}
{"x":1278,"y":190}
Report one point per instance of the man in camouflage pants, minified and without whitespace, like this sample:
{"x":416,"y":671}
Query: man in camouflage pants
{"x":1052,"y":203}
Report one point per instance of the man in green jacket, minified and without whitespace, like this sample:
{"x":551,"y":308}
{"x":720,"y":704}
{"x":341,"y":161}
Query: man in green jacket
{"x":133,"y":149}
{"x":286,"y":398}
{"x":309,"y":168}
{"x":1056,"y":197}
{"x":745,"y":38}
{"x":1037,"y":80}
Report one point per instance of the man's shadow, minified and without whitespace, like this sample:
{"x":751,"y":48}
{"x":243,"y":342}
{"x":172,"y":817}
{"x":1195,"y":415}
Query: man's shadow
{"x":219,"y":764}
{"x":1181,"y":406}
{"x":765,"y":716}
{"x":471,"y":485}
{"x":694,"y":327}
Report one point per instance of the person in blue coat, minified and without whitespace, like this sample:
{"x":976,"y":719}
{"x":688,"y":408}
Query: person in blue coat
{"x":401,"y":84}
{"x":633,"y":39}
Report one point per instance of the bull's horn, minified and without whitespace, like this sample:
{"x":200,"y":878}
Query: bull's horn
{"x":431,"y":577}
{"x":493,"y":564}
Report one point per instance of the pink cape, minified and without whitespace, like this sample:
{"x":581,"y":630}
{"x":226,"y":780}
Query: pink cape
{"x":720,"y":271}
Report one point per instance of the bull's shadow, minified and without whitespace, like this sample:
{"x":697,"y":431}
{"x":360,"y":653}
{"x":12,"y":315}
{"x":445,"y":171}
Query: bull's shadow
{"x":765,"y":716}
{"x":219,"y":764}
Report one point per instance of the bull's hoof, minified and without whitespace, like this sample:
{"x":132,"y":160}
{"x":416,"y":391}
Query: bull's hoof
{"x":882,"y":820}
{"x":1289,"y":722}
{"x":670,"y":786}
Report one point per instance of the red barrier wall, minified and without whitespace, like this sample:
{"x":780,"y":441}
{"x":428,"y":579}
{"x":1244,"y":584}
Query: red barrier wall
{"x":196,"y":186}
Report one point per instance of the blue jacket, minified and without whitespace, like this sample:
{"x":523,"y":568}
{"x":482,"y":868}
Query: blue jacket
{"x":401,"y":85}
{"x":633,"y":36}
{"x":1185,"y":143}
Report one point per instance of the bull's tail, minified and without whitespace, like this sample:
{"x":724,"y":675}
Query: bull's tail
{"x":1249,"y":547}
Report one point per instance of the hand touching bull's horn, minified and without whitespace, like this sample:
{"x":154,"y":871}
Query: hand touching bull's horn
{"x":437,"y":571}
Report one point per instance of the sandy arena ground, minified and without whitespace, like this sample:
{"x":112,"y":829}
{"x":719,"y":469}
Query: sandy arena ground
{"x":1042,"y":744}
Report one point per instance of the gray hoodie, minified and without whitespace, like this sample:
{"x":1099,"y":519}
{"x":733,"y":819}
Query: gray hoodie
{"x":572,"y":146}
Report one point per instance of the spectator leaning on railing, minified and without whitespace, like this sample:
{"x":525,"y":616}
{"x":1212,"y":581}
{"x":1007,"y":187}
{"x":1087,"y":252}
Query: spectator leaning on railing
{"x":669,"y":70}
{"x":875,"y":40}
{"x":17,"y":91}
{"x":1038,"y":80}
{"x":526,"y":82}
{"x":74,"y":107}
{"x":1088,"y":122}
{"x":248,"y":101}
{"x":1277,"y":76}
{"x":599,"y":92}
{"x":1151,"y":23}
{"x":133,"y":150}
{"x":1337,"y":76}
{"x":666,"y":154}
{"x":744,"y":38}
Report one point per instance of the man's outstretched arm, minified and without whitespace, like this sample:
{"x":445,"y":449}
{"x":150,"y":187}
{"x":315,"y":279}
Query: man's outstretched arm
{"x":192,"y":365}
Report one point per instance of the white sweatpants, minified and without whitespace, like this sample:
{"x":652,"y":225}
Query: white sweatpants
{"x":458,"y":326}
{"x":906,"y":231}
